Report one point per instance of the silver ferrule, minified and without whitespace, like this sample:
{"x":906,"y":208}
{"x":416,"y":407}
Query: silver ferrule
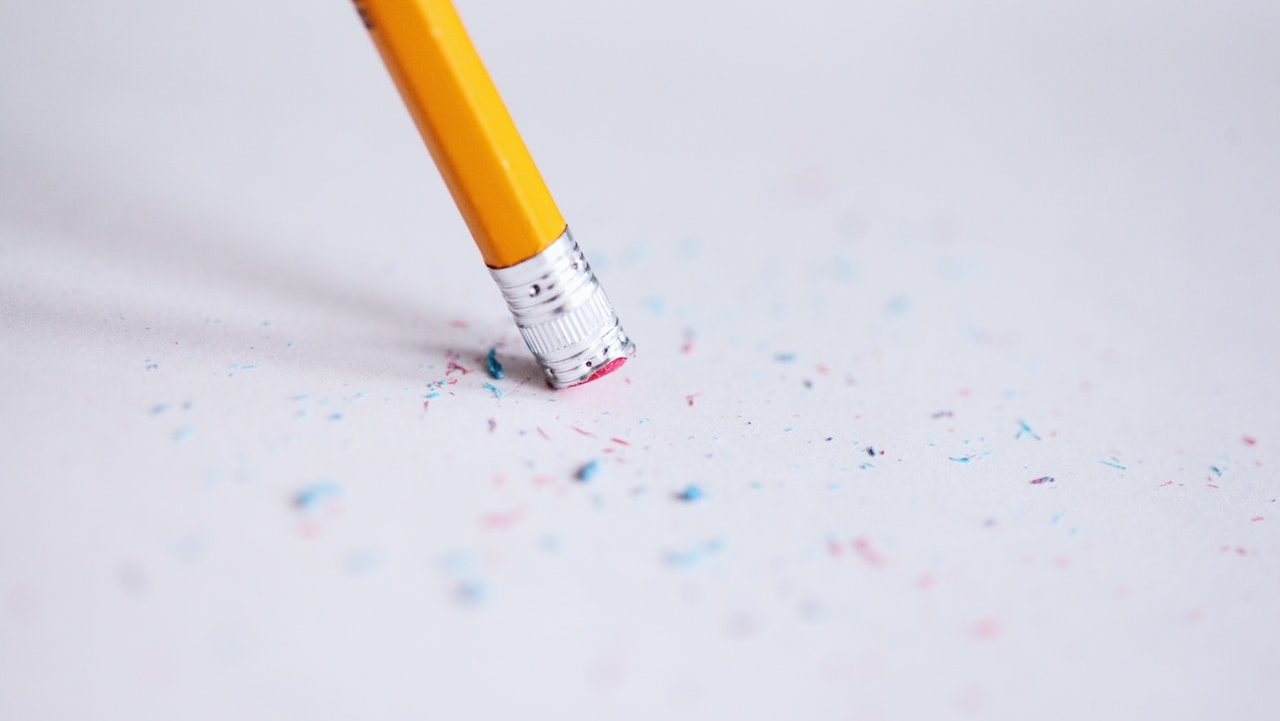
{"x":563,"y":314}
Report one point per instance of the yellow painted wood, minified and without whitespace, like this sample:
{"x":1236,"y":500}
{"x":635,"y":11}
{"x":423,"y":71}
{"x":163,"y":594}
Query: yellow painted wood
{"x":467,"y":128}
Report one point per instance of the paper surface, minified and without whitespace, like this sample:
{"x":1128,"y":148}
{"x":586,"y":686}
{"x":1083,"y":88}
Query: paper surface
{"x":887,"y":269}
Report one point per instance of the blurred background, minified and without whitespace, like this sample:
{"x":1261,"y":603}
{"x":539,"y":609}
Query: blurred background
{"x":1064,"y":211}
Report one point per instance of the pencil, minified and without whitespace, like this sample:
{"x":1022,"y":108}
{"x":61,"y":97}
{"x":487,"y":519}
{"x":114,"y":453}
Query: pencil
{"x":561,"y":310}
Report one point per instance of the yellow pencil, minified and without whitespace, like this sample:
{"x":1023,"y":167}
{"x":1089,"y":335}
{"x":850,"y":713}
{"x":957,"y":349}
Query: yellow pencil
{"x":562,"y":312}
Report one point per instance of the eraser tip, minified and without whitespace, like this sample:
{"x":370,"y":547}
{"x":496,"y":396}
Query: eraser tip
{"x":605,"y":369}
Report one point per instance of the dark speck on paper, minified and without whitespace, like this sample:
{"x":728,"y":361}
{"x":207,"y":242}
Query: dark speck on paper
{"x":589,"y":470}
{"x":691,"y":493}
{"x":493,"y":366}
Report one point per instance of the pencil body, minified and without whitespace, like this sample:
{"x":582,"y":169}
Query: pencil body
{"x":562,"y":312}
{"x":466,"y":126}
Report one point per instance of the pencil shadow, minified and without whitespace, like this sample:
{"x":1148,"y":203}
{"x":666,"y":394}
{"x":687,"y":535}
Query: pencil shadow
{"x":522,"y":368}
{"x":125,"y":228}
{"x":132,"y":229}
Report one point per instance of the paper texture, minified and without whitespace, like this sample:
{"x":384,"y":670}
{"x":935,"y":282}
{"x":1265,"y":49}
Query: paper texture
{"x":959,"y":325}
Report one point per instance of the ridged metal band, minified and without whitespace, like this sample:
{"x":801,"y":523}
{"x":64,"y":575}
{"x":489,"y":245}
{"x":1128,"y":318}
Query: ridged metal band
{"x":563,"y":314}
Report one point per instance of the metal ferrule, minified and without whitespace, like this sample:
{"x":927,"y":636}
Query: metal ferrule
{"x":563,"y":313}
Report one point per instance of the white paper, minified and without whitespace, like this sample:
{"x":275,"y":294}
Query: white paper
{"x":857,"y":247}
